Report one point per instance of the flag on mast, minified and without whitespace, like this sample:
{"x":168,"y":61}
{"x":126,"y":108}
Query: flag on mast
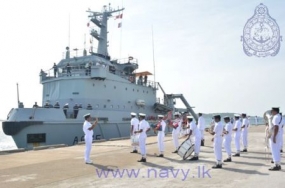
{"x":88,"y":24}
{"x":120,"y":25}
{"x":120,"y":16}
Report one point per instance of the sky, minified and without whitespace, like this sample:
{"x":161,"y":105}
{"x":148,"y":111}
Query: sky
{"x":197,"y":49}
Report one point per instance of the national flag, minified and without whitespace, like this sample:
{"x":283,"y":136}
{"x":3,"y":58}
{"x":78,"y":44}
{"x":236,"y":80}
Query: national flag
{"x":120,"y":16}
{"x":120,"y":25}
{"x":88,"y":24}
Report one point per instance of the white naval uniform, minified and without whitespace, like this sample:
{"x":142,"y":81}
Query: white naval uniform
{"x":218,"y":141}
{"x":275,"y":147}
{"x":281,"y":133}
{"x":244,"y":132}
{"x":144,"y":126}
{"x":197,"y":137}
{"x":201,"y":126}
{"x":237,"y":135}
{"x":135,"y":123}
{"x":228,"y":139}
{"x":88,"y":140}
{"x":160,"y":137}
{"x":176,"y":132}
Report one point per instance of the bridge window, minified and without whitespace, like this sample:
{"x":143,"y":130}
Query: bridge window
{"x":114,"y":87}
{"x":75,"y":93}
{"x":104,"y":106}
{"x":126,"y":89}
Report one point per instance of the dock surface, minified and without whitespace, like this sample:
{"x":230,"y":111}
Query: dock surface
{"x":114,"y":166}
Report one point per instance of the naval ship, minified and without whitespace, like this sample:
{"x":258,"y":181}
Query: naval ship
{"x":95,"y":83}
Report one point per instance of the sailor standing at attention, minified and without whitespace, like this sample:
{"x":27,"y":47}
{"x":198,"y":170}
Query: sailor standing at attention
{"x":143,"y":128}
{"x":88,"y":131}
{"x":244,"y":132}
{"x":194,"y":131}
{"x":134,"y":127}
{"x":237,"y":129}
{"x":176,"y":125}
{"x":228,"y":138}
{"x":218,"y":140}
{"x":274,"y":140}
{"x":201,"y":127}
{"x":281,"y":133}
{"x":160,"y":135}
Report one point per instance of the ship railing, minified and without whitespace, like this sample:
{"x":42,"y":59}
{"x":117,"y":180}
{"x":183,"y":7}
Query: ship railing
{"x":129,"y":60}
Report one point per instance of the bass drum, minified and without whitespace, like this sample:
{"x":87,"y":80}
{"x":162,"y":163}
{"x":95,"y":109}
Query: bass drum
{"x":186,"y":149}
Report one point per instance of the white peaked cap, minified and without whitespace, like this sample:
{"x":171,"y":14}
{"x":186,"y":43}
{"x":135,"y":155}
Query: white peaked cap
{"x":160,"y":116}
{"x":237,"y":115}
{"x":176,"y":113}
{"x":141,"y":114}
{"x":87,"y":115}
{"x":189,"y":117}
{"x":133,"y":114}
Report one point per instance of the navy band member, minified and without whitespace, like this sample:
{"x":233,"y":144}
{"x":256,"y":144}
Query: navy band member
{"x":176,"y":125}
{"x":228,"y":138}
{"x":244,"y":132}
{"x":88,"y":131}
{"x":218,"y":140}
{"x":201,"y":127}
{"x":281,"y":133}
{"x":194,"y":131}
{"x":160,"y":135}
{"x":274,"y":140}
{"x":143,"y":128}
{"x":134,"y":127}
{"x":237,"y":129}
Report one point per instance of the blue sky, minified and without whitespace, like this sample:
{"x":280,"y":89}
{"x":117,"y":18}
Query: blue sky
{"x":198,"y":51}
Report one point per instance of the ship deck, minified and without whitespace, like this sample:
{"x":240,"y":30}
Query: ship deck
{"x":65,"y":167}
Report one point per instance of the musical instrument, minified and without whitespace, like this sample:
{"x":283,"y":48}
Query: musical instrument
{"x":267,"y":116}
{"x":135,"y":140}
{"x":186,"y":149}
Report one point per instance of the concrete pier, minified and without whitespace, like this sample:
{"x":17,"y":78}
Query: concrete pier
{"x":112,"y":160}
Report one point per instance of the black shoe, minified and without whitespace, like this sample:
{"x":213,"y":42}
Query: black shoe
{"x":142,"y":160}
{"x":217,"y":166}
{"x":281,"y":151}
{"x":272,"y":161}
{"x":135,"y":151}
{"x":236,"y":155}
{"x":275,"y":168}
{"x":228,"y":160}
{"x":202,"y":142}
{"x":194,"y":159}
{"x":245,"y":150}
{"x":161,"y":155}
{"x":175,"y":151}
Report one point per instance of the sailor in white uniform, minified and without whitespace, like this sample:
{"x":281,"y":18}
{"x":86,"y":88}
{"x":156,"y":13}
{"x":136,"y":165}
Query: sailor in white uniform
{"x":201,"y":127}
{"x":88,"y":131}
{"x":160,"y":128}
{"x":281,"y":133}
{"x":228,"y":138}
{"x":274,"y":140}
{"x":237,"y":129}
{"x":134,"y":127}
{"x":143,"y":129}
{"x":195,"y":132}
{"x":176,"y":125}
{"x":244,"y":132}
{"x":218,"y":140}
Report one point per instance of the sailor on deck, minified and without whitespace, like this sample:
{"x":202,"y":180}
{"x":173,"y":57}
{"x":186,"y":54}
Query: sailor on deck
{"x":56,"y":105}
{"x":89,"y":107}
{"x":237,"y":129}
{"x":244,"y":132}
{"x":160,"y":127}
{"x":75,"y":110}
{"x":274,"y":140}
{"x":143,"y":129}
{"x":201,"y":127}
{"x":65,"y":108}
{"x":176,"y":125}
{"x":194,"y":131}
{"x":88,"y":131}
{"x":134,"y":127}
{"x":228,"y":138}
{"x":218,"y":140}
{"x":46,"y":105}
